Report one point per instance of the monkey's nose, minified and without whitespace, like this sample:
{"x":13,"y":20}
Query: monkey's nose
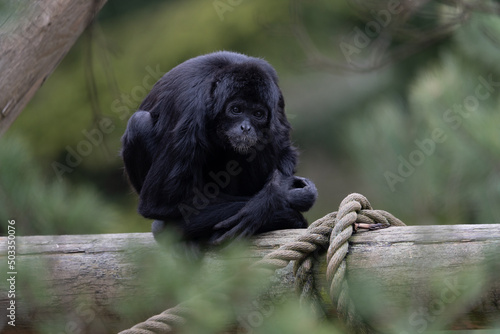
{"x":245,"y":127}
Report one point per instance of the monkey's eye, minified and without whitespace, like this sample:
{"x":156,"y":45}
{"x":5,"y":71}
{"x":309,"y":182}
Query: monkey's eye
{"x":258,"y":114}
{"x":235,"y":110}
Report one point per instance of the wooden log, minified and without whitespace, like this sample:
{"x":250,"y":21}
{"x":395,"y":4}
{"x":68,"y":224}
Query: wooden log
{"x":414,"y":277}
{"x":33,"y":41}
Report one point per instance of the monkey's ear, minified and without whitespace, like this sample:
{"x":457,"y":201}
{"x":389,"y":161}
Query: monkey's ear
{"x":281,"y":102}
{"x":279,"y":114}
{"x":279,"y":127}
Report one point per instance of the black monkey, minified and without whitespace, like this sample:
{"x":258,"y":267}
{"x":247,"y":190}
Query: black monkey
{"x":209,"y":151}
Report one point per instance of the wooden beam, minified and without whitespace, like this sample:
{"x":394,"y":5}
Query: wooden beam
{"x":33,"y":41}
{"x":414,"y":277}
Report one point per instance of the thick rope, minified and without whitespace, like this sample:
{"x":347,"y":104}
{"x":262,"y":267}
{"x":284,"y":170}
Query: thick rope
{"x":331,"y":232}
{"x":354,"y":209}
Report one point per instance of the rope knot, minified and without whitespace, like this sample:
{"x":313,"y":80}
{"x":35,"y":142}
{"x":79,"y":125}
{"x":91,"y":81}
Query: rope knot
{"x":355,"y":212}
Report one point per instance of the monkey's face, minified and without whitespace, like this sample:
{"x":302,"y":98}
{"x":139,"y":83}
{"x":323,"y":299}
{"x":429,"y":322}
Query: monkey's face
{"x":243,"y":124}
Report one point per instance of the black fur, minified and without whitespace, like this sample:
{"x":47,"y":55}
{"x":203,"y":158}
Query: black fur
{"x":209,"y":150}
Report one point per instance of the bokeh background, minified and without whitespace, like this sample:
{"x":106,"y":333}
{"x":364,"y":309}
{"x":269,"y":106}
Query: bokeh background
{"x":397,"y":100}
{"x":366,"y":85}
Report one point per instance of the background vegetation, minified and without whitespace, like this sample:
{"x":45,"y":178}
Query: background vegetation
{"x":394,"y":115}
{"x":354,"y":122}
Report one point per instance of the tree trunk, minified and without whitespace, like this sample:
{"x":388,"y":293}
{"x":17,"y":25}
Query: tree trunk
{"x":421,"y":275}
{"x":35,"y":38}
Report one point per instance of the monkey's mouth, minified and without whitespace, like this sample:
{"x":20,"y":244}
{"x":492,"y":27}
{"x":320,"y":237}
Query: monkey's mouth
{"x":243,"y":144}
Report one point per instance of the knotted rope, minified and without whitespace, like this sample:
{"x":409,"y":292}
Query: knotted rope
{"x":331,"y":232}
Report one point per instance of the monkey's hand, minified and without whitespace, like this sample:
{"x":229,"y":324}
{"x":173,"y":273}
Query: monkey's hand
{"x":301,"y":193}
{"x":256,"y":212}
{"x":241,"y":225}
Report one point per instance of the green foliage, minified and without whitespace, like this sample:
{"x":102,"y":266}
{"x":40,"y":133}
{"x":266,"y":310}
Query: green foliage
{"x":43,"y":206}
{"x":480,"y":41}
{"x":455,"y":172}
{"x":359,"y":124}
{"x":401,"y":135}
